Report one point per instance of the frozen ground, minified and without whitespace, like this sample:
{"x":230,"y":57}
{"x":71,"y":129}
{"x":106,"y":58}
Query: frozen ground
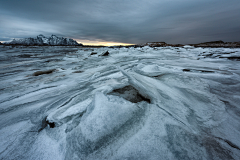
{"x":135,"y":103}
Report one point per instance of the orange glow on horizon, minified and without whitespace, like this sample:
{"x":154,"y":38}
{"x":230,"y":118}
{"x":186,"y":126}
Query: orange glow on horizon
{"x":102,"y":43}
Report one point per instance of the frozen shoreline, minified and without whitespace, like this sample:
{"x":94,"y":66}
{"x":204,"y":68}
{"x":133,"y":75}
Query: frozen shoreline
{"x":135,"y":103}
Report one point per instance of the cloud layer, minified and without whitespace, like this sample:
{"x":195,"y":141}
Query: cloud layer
{"x":135,"y":21}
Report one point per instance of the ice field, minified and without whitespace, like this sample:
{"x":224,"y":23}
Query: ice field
{"x":134,"y":103}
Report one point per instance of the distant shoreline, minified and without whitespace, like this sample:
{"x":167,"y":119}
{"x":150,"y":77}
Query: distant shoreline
{"x":212,"y":44}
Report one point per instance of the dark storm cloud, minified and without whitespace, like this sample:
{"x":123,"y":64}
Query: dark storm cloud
{"x":134,"y":21}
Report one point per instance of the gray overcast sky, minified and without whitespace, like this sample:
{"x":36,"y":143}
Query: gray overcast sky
{"x":126,"y":21}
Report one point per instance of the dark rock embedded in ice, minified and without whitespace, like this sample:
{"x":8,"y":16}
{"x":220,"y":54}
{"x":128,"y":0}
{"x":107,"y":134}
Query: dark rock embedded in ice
{"x":104,"y":53}
{"x":129,"y":93}
{"x":77,"y":72}
{"x":93,"y":53}
{"x":43,"y":72}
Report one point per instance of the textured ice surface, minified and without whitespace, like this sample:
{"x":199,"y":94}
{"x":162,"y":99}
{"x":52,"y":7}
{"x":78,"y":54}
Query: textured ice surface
{"x":135,"y":103}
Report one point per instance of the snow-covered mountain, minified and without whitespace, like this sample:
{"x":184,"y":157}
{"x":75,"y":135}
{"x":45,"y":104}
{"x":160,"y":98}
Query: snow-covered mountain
{"x":42,"y":40}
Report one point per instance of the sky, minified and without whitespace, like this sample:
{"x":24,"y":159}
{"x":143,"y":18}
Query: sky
{"x":123,"y":21}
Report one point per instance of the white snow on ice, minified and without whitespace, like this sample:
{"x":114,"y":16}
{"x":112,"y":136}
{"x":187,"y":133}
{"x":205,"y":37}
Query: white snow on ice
{"x":135,"y":103}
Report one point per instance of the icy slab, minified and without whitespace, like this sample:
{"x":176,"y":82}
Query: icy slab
{"x":159,"y":92}
{"x":108,"y":114}
{"x":64,"y":114}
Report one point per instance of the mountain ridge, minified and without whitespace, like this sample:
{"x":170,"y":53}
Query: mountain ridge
{"x":41,"y":40}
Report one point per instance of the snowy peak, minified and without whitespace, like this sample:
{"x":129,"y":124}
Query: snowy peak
{"x":42,"y":40}
{"x":40,"y":35}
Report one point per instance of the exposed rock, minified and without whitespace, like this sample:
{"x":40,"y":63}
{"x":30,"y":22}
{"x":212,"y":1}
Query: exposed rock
{"x":43,"y":72}
{"x":186,"y":70}
{"x":129,"y":93}
{"x":160,"y":44}
{"x":156,"y":44}
{"x":51,"y":124}
{"x":216,"y":44}
{"x":24,"y":55}
{"x":104,"y":53}
{"x":77,"y":72}
{"x":195,"y":70}
{"x":236,"y":58}
{"x":93,"y":53}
